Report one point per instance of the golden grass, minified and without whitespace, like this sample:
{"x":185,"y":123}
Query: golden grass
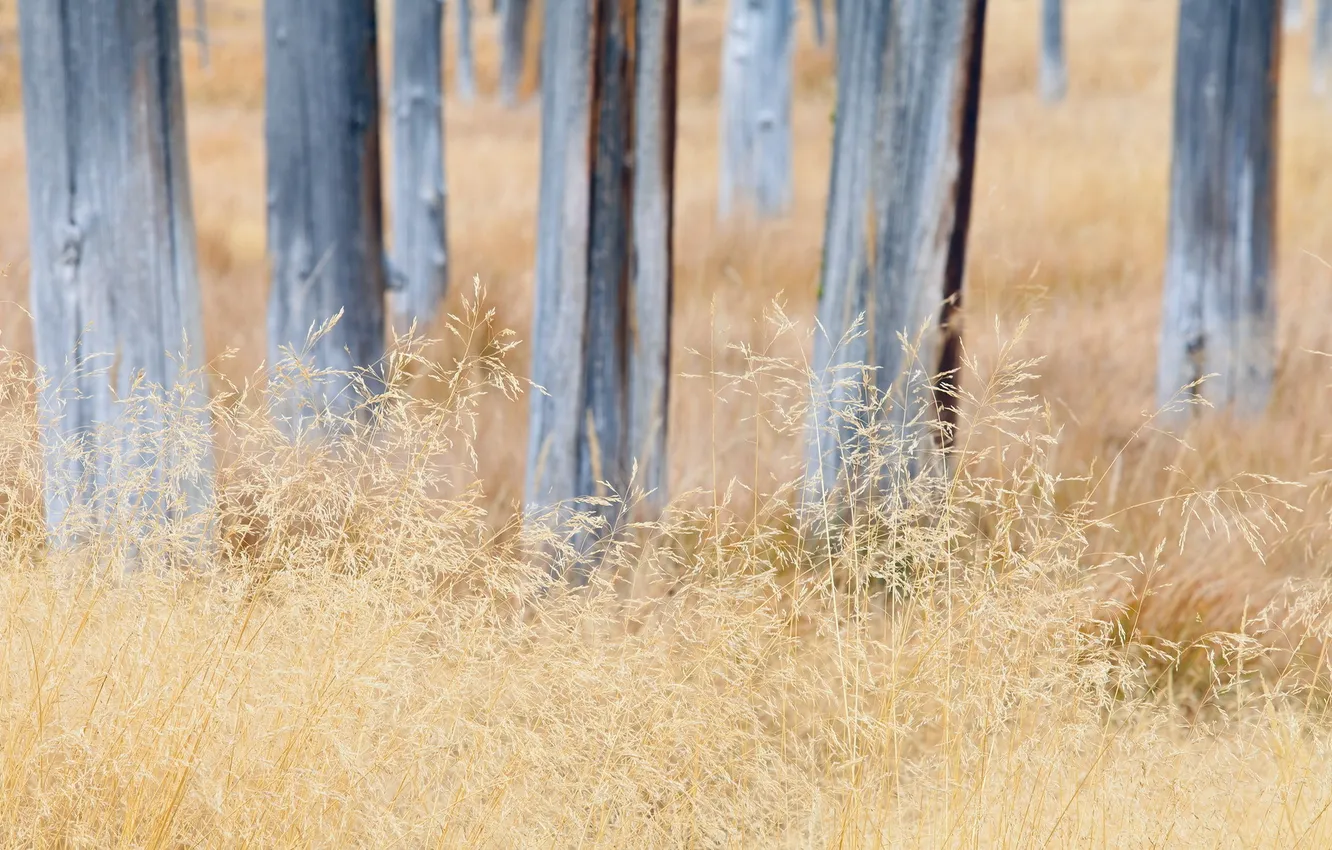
{"x":1071,"y":643}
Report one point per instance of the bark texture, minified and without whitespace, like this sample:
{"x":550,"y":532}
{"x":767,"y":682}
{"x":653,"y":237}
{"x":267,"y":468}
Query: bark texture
{"x":418,"y":193}
{"x":840,"y":347}
{"x":115,"y":292}
{"x":1054,"y":69}
{"x":653,"y":260}
{"x":601,"y":332}
{"x":325,"y":220}
{"x":923,"y":177}
{"x":1219,"y":299}
{"x":513,"y":44}
{"x":756,"y":108}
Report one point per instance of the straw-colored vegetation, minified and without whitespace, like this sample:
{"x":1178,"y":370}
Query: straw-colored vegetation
{"x":1087,"y":632}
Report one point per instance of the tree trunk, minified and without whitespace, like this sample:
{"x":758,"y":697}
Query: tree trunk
{"x":513,"y":41}
{"x":419,"y":194}
{"x":201,"y":29}
{"x":756,"y":108}
{"x":1219,"y":301}
{"x":840,"y":346}
{"x":466,"y":58}
{"x":1292,"y":14}
{"x":820,"y":26}
{"x":114,"y":279}
{"x":602,"y":323}
{"x":1322,"y":47}
{"x":657,"y":43}
{"x":560,"y":312}
{"x":1054,"y":70}
{"x":923,"y":182}
{"x":325,"y":223}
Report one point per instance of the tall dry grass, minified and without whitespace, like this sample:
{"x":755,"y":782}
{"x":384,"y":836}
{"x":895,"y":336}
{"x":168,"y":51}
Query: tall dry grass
{"x":353,"y":654}
{"x":1088,"y":633}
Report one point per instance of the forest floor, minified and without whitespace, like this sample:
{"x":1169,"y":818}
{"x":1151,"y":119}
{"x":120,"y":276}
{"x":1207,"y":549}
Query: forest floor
{"x":569,"y":723}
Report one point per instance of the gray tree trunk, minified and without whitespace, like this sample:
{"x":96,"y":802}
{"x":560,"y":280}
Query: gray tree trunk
{"x":201,"y":29}
{"x":466,"y":57}
{"x":840,"y":347}
{"x":756,"y":108}
{"x":1054,"y":69}
{"x":1219,"y":301}
{"x":820,"y":25}
{"x":418,"y":194}
{"x":1322,"y":47}
{"x":652,"y":284}
{"x":513,"y":44}
{"x":601,"y":331}
{"x":560,"y":313}
{"x":325,"y":222}
{"x":1292,"y":14}
{"x":114,"y":281}
{"x":923,"y":179}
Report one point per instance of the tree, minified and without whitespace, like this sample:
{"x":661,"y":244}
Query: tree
{"x":1054,"y":70}
{"x":325,"y":223}
{"x":756,"y":108}
{"x":820,"y":28}
{"x":466,"y":59}
{"x":513,"y":44}
{"x":601,"y":326}
{"x":1322,"y":47}
{"x":418,"y":193}
{"x":843,"y":288}
{"x":1219,"y":305}
{"x":923,"y":177}
{"x":1293,"y":14}
{"x":114,"y":279}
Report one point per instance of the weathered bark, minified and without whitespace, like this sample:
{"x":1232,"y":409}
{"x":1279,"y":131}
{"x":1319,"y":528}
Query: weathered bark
{"x":1292,"y":14}
{"x":601,"y":330}
{"x":513,"y":44}
{"x":756,"y":108}
{"x":1322,"y":47}
{"x":820,"y":26}
{"x":838,"y":397}
{"x":466,"y":57}
{"x":923,"y":177}
{"x":1054,"y":70}
{"x":560,"y":312}
{"x":418,"y":194}
{"x":1219,"y":299}
{"x":115,"y":291}
{"x":657,"y":44}
{"x":325,"y":222}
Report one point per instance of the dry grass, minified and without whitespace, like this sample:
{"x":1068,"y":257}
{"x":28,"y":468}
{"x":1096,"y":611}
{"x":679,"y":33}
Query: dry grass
{"x":1091,"y":634}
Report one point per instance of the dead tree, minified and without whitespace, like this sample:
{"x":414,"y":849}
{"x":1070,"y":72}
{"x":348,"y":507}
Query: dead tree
{"x":1054,"y":69}
{"x":1322,"y":47}
{"x":1219,"y":308}
{"x":466,"y":57}
{"x":601,"y":328}
{"x":840,"y":346}
{"x":115,"y":289}
{"x":201,"y":30}
{"x":325,"y":222}
{"x":1292,"y":14}
{"x":756,"y":108}
{"x":418,"y":189}
{"x":923,"y":175}
{"x":513,"y":44}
